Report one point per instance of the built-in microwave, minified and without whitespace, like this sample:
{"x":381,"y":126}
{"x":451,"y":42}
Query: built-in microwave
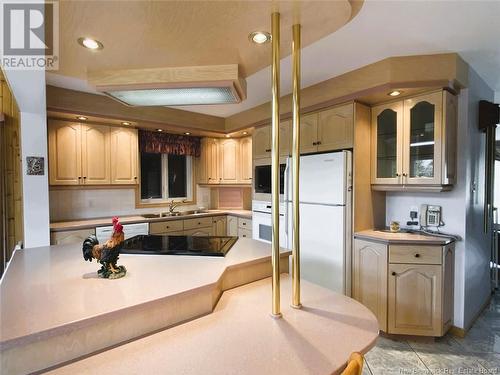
{"x":262,"y":179}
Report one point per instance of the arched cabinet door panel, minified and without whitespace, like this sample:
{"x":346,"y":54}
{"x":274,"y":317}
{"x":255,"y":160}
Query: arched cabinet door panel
{"x":124,"y":156}
{"x":65,"y":153}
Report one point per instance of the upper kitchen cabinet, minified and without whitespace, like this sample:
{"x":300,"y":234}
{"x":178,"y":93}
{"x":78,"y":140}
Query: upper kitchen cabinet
{"x":225,"y":161}
{"x":335,"y":128}
{"x":414,"y":143}
{"x":308,"y":133}
{"x":246,"y":160}
{"x":96,"y":165}
{"x":229,"y":161}
{"x":387,"y":143}
{"x":124,"y":156}
{"x":65,"y":153}
{"x":262,"y":142}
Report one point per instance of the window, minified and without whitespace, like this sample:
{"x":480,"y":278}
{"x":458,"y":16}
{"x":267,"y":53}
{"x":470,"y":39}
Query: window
{"x":165,"y":176}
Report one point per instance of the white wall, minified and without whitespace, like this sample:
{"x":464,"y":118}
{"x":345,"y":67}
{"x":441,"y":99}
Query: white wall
{"x":462,"y":208}
{"x":29,"y":90}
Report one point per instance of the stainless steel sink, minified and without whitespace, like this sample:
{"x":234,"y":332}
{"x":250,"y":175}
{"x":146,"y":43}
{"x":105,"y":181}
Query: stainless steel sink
{"x":150,"y":216}
{"x":400,"y":231}
{"x":175,"y":213}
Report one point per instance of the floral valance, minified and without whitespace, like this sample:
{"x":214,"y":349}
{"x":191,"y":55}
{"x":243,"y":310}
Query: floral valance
{"x":164,"y":143}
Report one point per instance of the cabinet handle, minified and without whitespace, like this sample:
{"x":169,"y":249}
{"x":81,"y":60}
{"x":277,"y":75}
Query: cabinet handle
{"x":135,"y":178}
{"x":393,"y":273}
{"x":79,"y":178}
{"x":315,"y":143}
{"x":318,"y":143}
{"x":84,"y":177}
{"x":397,"y":175}
{"x":417,"y":255}
{"x":268,"y":150}
{"x":405,"y":175}
{"x":244,"y":223}
{"x":210,"y":178}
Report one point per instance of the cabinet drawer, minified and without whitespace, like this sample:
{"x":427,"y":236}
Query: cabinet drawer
{"x":244,"y":223}
{"x":199,"y":232}
{"x":197,"y":223}
{"x":166,"y":227}
{"x":246,"y":233}
{"x":415,"y":254}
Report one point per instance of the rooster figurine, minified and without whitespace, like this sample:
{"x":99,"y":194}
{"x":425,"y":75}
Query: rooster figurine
{"x":107,"y":253}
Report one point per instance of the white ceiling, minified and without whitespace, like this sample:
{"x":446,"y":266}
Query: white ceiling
{"x":381,"y":29}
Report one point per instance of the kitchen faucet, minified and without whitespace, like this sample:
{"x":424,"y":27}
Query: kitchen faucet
{"x":172,"y":205}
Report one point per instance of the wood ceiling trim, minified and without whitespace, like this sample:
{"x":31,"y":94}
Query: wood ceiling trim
{"x":393,"y":72}
{"x":170,"y":77}
{"x":70,"y":101}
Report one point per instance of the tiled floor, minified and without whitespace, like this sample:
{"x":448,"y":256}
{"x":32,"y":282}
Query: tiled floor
{"x":477,"y":353}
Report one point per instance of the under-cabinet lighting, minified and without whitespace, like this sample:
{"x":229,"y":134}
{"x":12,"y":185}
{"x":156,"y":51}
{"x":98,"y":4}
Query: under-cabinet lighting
{"x":187,"y":133}
{"x":159,"y":130}
{"x":126,"y":123}
{"x":245,"y":133}
{"x":81,"y":118}
{"x":228,"y":136}
{"x":395,"y":93}
{"x":417,"y":144}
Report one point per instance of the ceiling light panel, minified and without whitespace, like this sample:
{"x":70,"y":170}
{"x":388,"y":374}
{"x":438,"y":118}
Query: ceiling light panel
{"x":176,"y":96}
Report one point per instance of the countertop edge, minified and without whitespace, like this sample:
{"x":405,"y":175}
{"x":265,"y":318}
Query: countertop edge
{"x":431,"y":241}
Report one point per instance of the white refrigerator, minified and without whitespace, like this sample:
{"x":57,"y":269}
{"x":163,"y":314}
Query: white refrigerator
{"x":325,"y":218}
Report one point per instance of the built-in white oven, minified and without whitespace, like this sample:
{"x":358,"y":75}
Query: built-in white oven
{"x":262,"y":223}
{"x":262,"y":179}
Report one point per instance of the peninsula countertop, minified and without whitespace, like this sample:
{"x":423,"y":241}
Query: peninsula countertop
{"x":100,"y":222}
{"x":401,"y":238}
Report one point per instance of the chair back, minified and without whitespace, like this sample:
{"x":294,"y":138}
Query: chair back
{"x":355,"y":364}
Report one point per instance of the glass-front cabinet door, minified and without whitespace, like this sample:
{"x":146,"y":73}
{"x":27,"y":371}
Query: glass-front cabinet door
{"x":422,"y":139}
{"x":387,"y":143}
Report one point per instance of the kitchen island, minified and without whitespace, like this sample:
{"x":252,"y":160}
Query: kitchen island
{"x":55,"y":310}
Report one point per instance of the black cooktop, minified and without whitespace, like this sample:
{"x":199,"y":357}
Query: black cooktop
{"x":178,"y":245}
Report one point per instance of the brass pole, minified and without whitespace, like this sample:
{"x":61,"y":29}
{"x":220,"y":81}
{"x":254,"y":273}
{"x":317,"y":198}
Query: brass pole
{"x":295,"y":166}
{"x":275,"y":162}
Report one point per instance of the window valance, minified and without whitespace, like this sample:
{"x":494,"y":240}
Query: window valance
{"x":164,"y":143}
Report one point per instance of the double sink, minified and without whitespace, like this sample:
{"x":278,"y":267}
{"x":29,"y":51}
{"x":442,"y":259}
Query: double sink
{"x":174,"y":213}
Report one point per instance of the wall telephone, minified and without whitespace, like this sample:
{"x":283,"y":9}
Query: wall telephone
{"x":430,"y":216}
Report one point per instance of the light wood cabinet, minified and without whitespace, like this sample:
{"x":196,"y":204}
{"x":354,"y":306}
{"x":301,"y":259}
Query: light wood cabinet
{"x":408,"y":287}
{"x":219,"y":224}
{"x":414,"y":143}
{"x":232,"y":226}
{"x":261,"y":142}
{"x":124,"y":156}
{"x":244,"y":233}
{"x":246,"y":160}
{"x":336,"y":128}
{"x":65,"y":153}
{"x":71,"y":236}
{"x":308,"y":133}
{"x":286,"y":138}
{"x":225,"y":161}
{"x":208,"y":231}
{"x":96,"y":155}
{"x":166,"y":227}
{"x":414,"y":299}
{"x":229,"y":161}
{"x":81,"y":154}
{"x":370,"y":278}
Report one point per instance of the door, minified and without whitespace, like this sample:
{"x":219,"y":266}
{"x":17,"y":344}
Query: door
{"x":219,"y":225}
{"x":213,"y":161}
{"x":422,"y":139}
{"x":369,"y":284}
{"x":285,"y":138}
{"x":229,"y":161}
{"x":96,"y":164}
{"x":309,"y":133}
{"x":262,"y":142}
{"x":336,"y":128}
{"x":232,"y":226}
{"x":322,"y":246}
{"x":414,"y":299}
{"x":323,"y":178}
{"x":124,"y":154}
{"x":246,"y":160}
{"x":65,"y":153}
{"x":387,"y":143}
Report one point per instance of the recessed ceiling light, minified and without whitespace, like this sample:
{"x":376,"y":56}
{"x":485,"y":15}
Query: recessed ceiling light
{"x":259,"y":37}
{"x":228,"y":136}
{"x":395,"y":93}
{"x":90,"y":43}
{"x":187,"y":133}
{"x":126,"y":123}
{"x":245,"y":133}
{"x":81,"y":118}
{"x":160,"y":130}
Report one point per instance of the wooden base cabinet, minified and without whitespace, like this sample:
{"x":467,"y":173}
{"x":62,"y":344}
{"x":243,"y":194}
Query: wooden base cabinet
{"x":408,"y":287}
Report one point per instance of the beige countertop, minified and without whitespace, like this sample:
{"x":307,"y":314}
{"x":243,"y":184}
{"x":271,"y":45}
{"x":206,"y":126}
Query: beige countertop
{"x":99,"y":222}
{"x":401,"y":238}
{"x":48,"y":287}
{"x":240,"y":337}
